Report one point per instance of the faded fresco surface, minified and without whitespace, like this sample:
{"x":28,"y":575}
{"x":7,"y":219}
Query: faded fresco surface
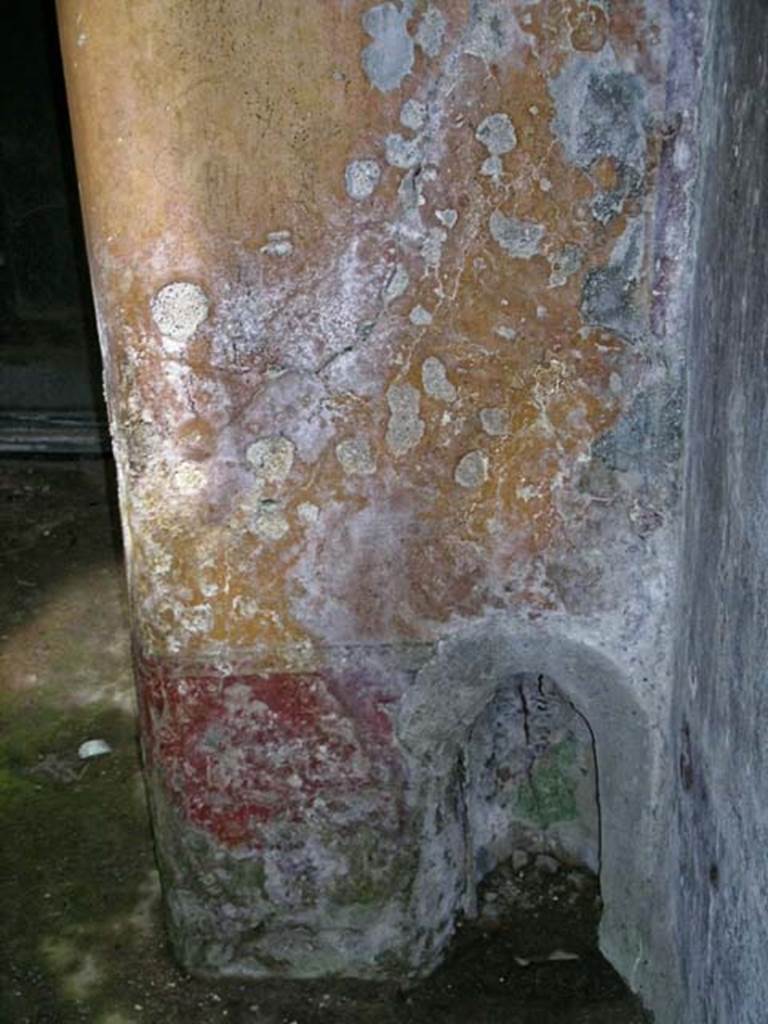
{"x":389,"y":308}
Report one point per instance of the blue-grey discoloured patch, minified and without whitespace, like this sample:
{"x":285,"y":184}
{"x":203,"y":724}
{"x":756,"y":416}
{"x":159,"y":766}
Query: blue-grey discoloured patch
{"x":607,"y":205}
{"x":493,"y":30}
{"x":389,"y":58}
{"x":648,"y":436}
{"x":566,"y":262}
{"x":606,"y":301}
{"x":519,"y":238}
{"x":608,"y":296}
{"x":600,"y":111}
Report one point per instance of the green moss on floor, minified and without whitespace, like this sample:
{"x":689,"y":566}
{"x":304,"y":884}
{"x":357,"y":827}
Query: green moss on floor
{"x":76,"y":844}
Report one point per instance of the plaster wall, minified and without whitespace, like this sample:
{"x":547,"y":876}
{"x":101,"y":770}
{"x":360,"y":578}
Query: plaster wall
{"x":392,"y":301}
{"x":720,"y":697}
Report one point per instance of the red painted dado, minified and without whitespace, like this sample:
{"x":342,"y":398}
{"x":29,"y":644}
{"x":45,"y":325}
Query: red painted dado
{"x":242,"y":752}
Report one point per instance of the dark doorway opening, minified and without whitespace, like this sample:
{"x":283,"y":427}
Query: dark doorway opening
{"x":51,"y":398}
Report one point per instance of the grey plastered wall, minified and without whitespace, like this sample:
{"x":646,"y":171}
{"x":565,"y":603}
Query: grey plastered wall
{"x":721,"y":702}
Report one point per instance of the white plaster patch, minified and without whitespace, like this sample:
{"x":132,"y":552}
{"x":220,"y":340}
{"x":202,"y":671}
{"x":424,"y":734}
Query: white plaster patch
{"x":405,"y":429}
{"x":472,"y":470}
{"x":355,"y":457}
{"x":435,"y":380}
{"x":178,"y":309}
{"x":271,"y":458}
{"x":361,"y":178}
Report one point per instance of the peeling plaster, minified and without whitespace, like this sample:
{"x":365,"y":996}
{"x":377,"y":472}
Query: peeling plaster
{"x":447,"y":217}
{"x":565,"y":263}
{"x":413,"y":114}
{"x":495,"y":422}
{"x":361,"y":178}
{"x":402,"y":153}
{"x":492,"y":168}
{"x":519,"y":238}
{"x":609,"y":292}
{"x":405,"y":428}
{"x":271,"y":458}
{"x":278,"y":244}
{"x":269,"y":523}
{"x":435,"y":380}
{"x":494,"y":33}
{"x":397,"y":284}
{"x":600,"y":111}
{"x":430,"y":31}
{"x":308,"y":512}
{"x":420,"y":317}
{"x":389,"y":58}
{"x":497,"y":133}
{"x":472,"y":470}
{"x":355,"y":457}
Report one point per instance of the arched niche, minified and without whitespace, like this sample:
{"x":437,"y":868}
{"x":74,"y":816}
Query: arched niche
{"x":449,"y":695}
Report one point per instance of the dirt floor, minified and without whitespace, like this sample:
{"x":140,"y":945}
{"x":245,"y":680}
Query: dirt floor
{"x":81,"y":935}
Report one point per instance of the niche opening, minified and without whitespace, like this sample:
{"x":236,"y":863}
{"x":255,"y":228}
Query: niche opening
{"x":531,"y":784}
